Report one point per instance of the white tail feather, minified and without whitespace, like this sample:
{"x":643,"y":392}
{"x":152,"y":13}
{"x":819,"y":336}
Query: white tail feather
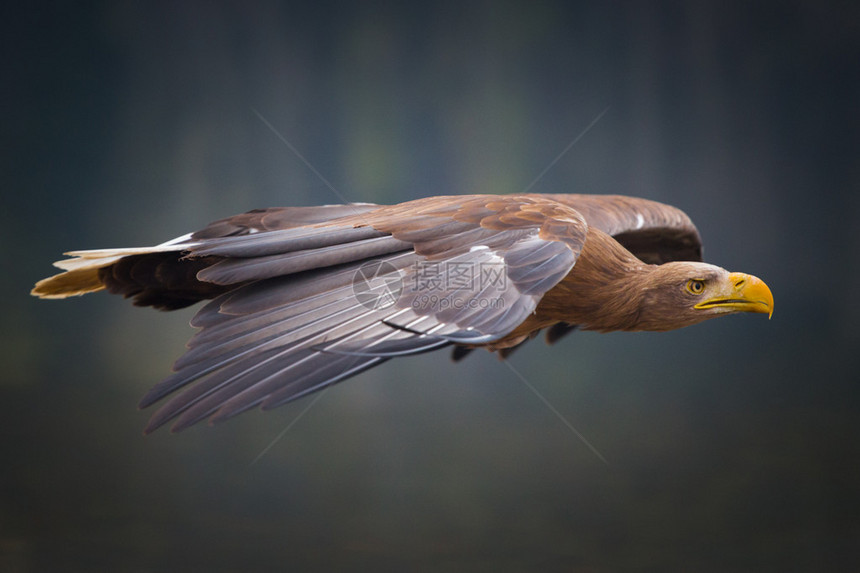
{"x":81,"y":274}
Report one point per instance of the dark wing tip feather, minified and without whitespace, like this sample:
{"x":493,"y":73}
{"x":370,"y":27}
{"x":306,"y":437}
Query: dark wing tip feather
{"x":458,"y":353}
{"x":655,"y":232}
{"x":558,"y":330}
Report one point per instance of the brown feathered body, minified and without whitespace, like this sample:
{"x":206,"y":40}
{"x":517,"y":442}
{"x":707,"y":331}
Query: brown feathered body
{"x":303,"y":297}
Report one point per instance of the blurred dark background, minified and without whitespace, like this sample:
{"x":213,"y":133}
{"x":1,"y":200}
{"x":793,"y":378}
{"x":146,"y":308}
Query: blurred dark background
{"x":732,"y":445}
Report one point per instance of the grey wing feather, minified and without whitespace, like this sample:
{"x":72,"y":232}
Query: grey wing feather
{"x":293,"y":324}
{"x":278,"y":218}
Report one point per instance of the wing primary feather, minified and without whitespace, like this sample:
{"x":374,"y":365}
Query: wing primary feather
{"x":331,"y":324}
{"x":253,"y":386}
{"x":243,"y":324}
{"x":239,"y":270}
{"x":271,"y":293}
{"x":284,"y":241}
{"x":458,"y":337}
{"x":233,"y":390}
{"x":275,"y":327}
{"x":187,"y":398}
{"x":180,"y":379}
{"x":188,"y":371}
{"x":403,"y":347}
{"x":390,"y":348}
{"x":283,"y":396}
{"x":207,"y":396}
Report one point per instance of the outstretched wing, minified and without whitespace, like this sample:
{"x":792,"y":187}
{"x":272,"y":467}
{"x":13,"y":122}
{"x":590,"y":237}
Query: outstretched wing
{"x":655,"y":232}
{"x":316,"y":304}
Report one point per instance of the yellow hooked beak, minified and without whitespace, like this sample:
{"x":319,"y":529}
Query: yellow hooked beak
{"x":742,"y":293}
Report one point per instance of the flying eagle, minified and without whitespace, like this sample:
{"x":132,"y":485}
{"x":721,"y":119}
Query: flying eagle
{"x":304,"y":297}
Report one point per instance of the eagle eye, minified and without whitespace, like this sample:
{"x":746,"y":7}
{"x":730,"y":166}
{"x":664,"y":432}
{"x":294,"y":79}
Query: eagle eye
{"x":695,"y":286}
